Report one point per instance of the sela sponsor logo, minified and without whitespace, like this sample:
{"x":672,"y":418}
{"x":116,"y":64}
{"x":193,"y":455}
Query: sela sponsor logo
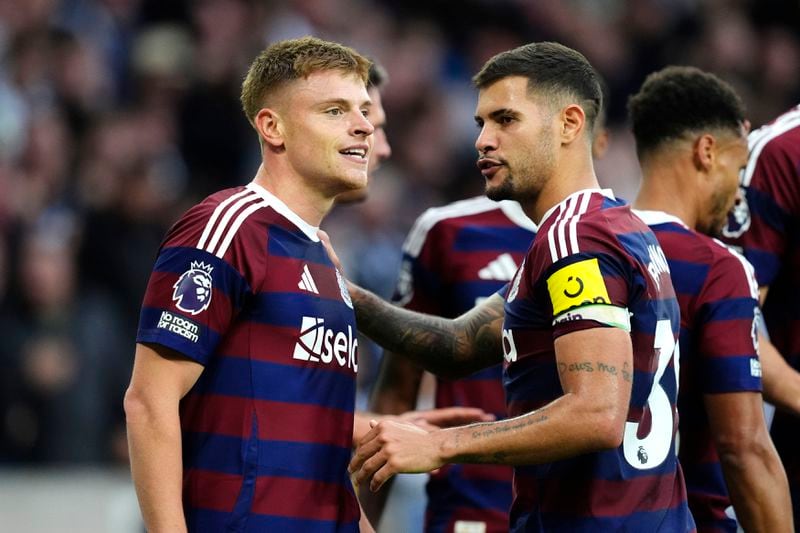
{"x":178,"y":325}
{"x":320,"y":344}
{"x":192,"y":292}
{"x":658,"y":263}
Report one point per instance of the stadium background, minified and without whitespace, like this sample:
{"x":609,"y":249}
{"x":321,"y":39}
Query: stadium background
{"x":116,"y":115}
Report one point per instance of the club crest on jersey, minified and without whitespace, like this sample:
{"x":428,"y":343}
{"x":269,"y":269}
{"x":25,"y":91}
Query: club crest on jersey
{"x":343,"y":289}
{"x":738,"y":218}
{"x":192,"y":292}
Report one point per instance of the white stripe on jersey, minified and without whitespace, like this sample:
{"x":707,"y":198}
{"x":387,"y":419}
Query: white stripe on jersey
{"x":749,"y":271}
{"x":215,"y":215}
{"x":758,"y":139}
{"x":419,"y":232}
{"x":567,"y":219}
{"x":551,"y":232}
{"x":226,"y":242}
{"x":223,"y":223}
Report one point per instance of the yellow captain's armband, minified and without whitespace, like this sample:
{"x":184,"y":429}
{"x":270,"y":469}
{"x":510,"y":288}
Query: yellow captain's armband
{"x":577,"y":285}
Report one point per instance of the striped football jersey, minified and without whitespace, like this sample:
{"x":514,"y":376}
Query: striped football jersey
{"x":595,"y":264}
{"x":243,"y":286}
{"x":766,"y":227}
{"x":718,"y":297}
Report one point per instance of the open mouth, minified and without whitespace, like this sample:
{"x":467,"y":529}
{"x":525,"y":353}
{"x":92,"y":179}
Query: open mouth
{"x":358,"y":154}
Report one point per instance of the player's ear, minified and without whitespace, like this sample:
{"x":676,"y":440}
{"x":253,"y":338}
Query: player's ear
{"x":269,"y":124}
{"x":703,"y":152}
{"x":573,"y":122}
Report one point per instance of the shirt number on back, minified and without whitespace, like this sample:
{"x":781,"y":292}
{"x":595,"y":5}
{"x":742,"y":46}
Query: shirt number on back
{"x":651,"y":450}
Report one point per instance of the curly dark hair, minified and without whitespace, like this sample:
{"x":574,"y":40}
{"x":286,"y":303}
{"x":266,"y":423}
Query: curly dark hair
{"x":678,"y":100}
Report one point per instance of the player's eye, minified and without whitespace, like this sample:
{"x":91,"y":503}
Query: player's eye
{"x":334,"y":111}
{"x":479,"y":123}
{"x":365,"y":112}
{"x":505,"y":119}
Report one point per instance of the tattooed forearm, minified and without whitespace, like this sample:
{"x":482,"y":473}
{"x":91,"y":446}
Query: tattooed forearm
{"x":446,"y":347}
{"x":484,"y":431}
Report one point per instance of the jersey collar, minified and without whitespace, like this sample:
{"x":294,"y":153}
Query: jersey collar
{"x":652,"y":218}
{"x":608,"y":193}
{"x":283,"y":209}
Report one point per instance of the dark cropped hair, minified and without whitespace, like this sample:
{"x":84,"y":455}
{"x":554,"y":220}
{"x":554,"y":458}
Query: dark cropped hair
{"x":552,"y":69}
{"x":377,"y":75}
{"x":679,"y":100}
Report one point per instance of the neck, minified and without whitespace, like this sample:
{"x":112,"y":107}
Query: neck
{"x":308,"y":203}
{"x":575,"y":172}
{"x":665,"y":188}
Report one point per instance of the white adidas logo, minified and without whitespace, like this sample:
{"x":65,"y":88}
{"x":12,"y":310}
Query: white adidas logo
{"x":307,"y":282}
{"x":503,"y":268}
{"x":318,"y":343}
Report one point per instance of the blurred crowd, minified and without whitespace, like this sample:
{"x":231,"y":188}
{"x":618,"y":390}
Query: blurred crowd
{"x":117,"y":115}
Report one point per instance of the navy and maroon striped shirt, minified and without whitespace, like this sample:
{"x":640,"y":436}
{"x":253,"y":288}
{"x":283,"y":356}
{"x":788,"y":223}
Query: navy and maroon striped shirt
{"x":454,"y":257}
{"x":243,"y":286}
{"x":595,"y":264}
{"x":718,"y":297}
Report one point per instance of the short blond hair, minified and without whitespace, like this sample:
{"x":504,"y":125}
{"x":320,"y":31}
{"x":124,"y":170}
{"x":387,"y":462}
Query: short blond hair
{"x":291,"y":59}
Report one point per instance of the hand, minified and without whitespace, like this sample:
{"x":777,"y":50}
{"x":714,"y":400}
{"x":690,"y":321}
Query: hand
{"x":326,"y":242}
{"x":393,"y":447}
{"x":446,"y":417}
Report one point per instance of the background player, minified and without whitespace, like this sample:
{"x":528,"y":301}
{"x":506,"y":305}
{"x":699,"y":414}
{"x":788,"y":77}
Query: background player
{"x":765,"y":226}
{"x":690,"y":136}
{"x":246,"y":357}
{"x":568,"y":379}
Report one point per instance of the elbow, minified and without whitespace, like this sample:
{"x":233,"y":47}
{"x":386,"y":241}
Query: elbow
{"x":609,"y":430}
{"x":738,"y":449}
{"x":136,"y":406}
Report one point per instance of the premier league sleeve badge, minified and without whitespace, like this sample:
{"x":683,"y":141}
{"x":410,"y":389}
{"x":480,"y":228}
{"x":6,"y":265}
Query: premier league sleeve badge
{"x":193,"y":292}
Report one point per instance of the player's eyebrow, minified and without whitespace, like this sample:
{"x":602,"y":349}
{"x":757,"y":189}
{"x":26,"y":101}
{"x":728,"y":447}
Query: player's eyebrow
{"x":344,"y":102}
{"x":494,"y":115}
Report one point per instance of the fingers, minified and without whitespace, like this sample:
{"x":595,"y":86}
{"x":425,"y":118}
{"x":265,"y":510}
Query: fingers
{"x":453,"y":416}
{"x":326,"y":242}
{"x":368,"y":446}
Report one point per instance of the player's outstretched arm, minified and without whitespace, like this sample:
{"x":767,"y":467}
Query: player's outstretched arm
{"x":161,"y":377}
{"x":590,"y":416}
{"x":450,"y":348}
{"x":781,"y":382}
{"x":753,"y":472}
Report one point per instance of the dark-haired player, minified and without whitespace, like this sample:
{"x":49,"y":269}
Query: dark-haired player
{"x":240,"y":408}
{"x":690,"y":136}
{"x":588,"y":330}
{"x":766,"y":226}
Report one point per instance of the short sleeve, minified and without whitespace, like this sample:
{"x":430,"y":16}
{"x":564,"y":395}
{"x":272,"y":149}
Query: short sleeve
{"x":191,"y":300}
{"x":420,"y":280}
{"x":727,"y":328}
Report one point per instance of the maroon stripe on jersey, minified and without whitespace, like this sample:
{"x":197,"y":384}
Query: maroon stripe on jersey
{"x":303,"y":423}
{"x":601,"y":497}
{"x":730,"y":338}
{"x":488,"y":393}
{"x":287,"y":271}
{"x":302,"y":498}
{"x":211,"y":490}
{"x":487,"y":472}
{"x":159,"y":296}
{"x":217,"y":414}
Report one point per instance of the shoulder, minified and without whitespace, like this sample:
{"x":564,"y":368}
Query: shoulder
{"x":773,"y":144}
{"x":440,"y":219}
{"x":732,"y":268}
